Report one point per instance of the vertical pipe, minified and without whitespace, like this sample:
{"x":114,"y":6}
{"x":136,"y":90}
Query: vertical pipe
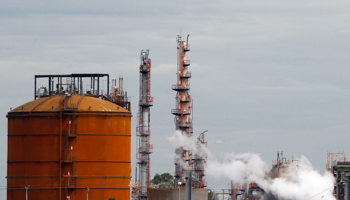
{"x":56,"y":83}
{"x":53,"y":84}
{"x":91,"y":86}
{"x":60,"y":85}
{"x":35,"y":88}
{"x":81,"y":86}
{"x":144,"y":122}
{"x":93,"y":83}
{"x":78,"y":85}
{"x":233,"y":191}
{"x":107,"y":85}
{"x":121,"y":91}
{"x":98,"y":86}
{"x":188,"y":192}
{"x":347,"y":186}
{"x":87,"y":193}
{"x":144,"y":127}
{"x":144,"y":147}
{"x":73,"y":85}
{"x":27,"y":187}
{"x":179,"y":194}
{"x":49,"y":86}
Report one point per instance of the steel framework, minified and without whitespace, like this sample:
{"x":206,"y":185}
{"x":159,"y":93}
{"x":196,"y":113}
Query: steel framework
{"x":343,"y":156}
{"x":145,"y":148}
{"x":199,"y":160}
{"x":183,"y":111}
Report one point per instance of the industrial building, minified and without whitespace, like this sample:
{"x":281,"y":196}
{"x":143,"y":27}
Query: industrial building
{"x":337,"y":164}
{"x":252,"y":191}
{"x":74,"y":142}
{"x":176,"y":194}
{"x":71,"y":142}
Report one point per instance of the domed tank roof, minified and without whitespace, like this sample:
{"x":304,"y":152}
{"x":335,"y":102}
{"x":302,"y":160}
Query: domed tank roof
{"x":73,"y":102}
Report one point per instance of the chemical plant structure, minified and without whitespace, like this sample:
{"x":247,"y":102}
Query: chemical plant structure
{"x":71,"y":142}
{"x":185,"y":163}
{"x":189,"y":170}
{"x":338,"y":165}
{"x":252,"y":191}
{"x":143,"y":129}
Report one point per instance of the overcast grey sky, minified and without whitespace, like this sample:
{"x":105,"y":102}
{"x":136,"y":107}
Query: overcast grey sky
{"x":266,"y":75}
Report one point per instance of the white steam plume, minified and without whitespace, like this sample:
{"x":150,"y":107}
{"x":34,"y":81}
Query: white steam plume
{"x":305,"y":183}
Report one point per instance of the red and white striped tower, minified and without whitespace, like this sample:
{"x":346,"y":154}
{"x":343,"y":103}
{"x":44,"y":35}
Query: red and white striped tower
{"x":143,"y":129}
{"x":183,"y":111}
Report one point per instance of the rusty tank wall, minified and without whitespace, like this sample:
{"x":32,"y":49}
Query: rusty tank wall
{"x":61,"y":145}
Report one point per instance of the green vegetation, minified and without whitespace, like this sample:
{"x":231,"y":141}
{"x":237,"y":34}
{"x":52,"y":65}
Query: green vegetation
{"x":164,"y":180}
{"x":211,"y":195}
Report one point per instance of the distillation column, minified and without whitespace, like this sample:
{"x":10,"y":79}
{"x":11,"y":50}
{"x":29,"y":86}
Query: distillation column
{"x":199,"y":160}
{"x":183,"y":110}
{"x":143,"y":129}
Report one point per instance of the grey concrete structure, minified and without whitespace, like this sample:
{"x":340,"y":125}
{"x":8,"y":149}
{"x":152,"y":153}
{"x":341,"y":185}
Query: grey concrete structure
{"x":175,"y":193}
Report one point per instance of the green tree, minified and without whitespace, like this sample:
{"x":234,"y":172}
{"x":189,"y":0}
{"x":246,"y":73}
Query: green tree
{"x":211,"y":195}
{"x":164,"y":180}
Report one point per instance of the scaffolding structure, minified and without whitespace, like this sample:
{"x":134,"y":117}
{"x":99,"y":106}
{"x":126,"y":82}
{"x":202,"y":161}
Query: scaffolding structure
{"x":118,"y":94}
{"x":338,"y":165}
{"x":331,"y":162}
{"x":94,"y":85}
{"x":145,"y":148}
{"x":183,"y":111}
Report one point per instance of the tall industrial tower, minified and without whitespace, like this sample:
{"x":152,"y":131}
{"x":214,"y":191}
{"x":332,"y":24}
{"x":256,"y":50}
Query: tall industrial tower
{"x":199,"y":160}
{"x":143,"y":129}
{"x":183,"y":111}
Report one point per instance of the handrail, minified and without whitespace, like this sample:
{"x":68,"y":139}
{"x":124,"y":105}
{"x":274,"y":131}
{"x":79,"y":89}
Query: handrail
{"x":186,"y":75}
{"x":177,"y":86}
{"x":187,"y":62}
{"x":180,"y":111}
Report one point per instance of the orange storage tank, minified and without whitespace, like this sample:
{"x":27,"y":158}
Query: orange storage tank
{"x":69,"y":147}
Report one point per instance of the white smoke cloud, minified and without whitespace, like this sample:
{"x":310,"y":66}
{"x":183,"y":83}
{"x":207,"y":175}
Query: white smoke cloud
{"x":301,"y":182}
{"x":239,"y":167}
{"x":180,"y":140}
{"x":304,"y":183}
